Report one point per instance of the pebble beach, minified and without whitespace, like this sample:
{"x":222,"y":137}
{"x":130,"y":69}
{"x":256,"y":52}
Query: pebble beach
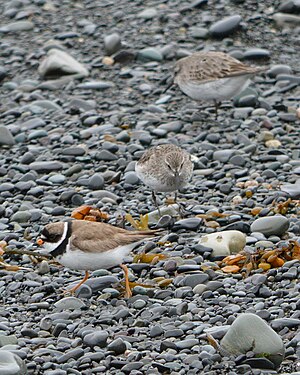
{"x":82,"y":97}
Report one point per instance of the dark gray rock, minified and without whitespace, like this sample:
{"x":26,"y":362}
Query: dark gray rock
{"x":45,"y":166}
{"x":271,"y":225}
{"x":117,"y":346}
{"x":195,"y":279}
{"x":226,"y":26}
{"x":112,"y":43}
{"x":97,"y":338}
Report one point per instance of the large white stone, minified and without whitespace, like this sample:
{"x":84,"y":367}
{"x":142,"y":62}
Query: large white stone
{"x":251,"y":333}
{"x":11,"y":364}
{"x":59,"y":63}
{"x":224,"y":243}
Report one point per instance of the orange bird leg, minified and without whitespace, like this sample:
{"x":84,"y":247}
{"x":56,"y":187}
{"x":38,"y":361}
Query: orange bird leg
{"x":73,"y":290}
{"x":128,"y":292}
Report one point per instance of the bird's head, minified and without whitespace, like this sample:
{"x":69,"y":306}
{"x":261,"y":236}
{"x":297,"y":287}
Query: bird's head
{"x":174,"y":164}
{"x":51,"y":235}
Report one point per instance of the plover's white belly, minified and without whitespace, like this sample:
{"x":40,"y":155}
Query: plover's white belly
{"x":221,"y":89}
{"x":79,"y":260}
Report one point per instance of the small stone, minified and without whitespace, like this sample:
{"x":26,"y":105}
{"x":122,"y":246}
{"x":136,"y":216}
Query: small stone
{"x":285,"y":322}
{"x":292,"y":189}
{"x":105,"y":155}
{"x":43,"y":267}
{"x":96,"y":182}
{"x":148,"y":14}
{"x":139,"y":304}
{"x":256,"y":53}
{"x":277,"y":69}
{"x":8,"y":340}
{"x":101,"y":282}
{"x":6,"y":138}
{"x":192,"y":223}
{"x":69,"y":303}
{"x":96,"y":85}
{"x":45,"y":166}
{"x":186,"y":344}
{"x":273,"y":143}
{"x":156,"y":331}
{"x":193,"y":280}
{"x":149,"y":54}
{"x":71,"y":354}
{"x":223,"y":155}
{"x":199,"y":289}
{"x":16,"y":27}
{"x":112,"y":43}
{"x":117,"y":346}
{"x":21,"y":217}
{"x":97,"y":338}
{"x":226,"y":26}
{"x":286,"y":20}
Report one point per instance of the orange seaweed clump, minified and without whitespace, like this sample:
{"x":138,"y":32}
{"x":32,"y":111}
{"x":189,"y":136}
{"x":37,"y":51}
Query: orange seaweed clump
{"x":89,"y":213}
{"x":264,"y":259}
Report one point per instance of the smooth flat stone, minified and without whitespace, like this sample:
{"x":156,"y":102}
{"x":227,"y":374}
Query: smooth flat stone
{"x":45,"y":166}
{"x":69,"y":303}
{"x":16,"y":27}
{"x":96,"y":85}
{"x":271,"y":225}
{"x":225,"y":26}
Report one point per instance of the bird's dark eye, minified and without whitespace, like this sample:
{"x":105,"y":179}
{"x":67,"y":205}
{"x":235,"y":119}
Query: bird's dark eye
{"x":52,"y":237}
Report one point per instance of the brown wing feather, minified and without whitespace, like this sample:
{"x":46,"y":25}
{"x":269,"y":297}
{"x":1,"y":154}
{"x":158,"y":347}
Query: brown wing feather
{"x":208,"y":66}
{"x":100,"y":237}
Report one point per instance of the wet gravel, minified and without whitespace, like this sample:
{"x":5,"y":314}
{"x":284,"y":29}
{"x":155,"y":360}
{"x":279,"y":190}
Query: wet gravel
{"x":72,"y":140}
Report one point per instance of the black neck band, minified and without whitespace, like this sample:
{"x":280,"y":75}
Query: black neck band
{"x":61,"y":248}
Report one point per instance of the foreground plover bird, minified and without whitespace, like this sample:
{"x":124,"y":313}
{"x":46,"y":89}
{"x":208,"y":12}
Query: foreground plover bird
{"x":88,"y":246}
{"x":165,"y":168}
{"x":213,"y":76}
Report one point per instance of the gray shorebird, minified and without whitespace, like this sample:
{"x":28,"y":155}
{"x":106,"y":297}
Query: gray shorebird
{"x":213,"y":76}
{"x":165,"y":168}
{"x":88,"y":246}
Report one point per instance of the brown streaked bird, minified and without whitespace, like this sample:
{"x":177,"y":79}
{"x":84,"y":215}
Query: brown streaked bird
{"x":88,"y":246}
{"x":165,"y":168}
{"x":213,"y":76}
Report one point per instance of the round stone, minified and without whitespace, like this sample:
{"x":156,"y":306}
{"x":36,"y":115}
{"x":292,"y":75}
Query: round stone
{"x":271,"y":225}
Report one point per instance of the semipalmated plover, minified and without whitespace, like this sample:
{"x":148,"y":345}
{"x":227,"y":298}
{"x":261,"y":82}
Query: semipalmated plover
{"x":88,"y":246}
{"x":165,"y":168}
